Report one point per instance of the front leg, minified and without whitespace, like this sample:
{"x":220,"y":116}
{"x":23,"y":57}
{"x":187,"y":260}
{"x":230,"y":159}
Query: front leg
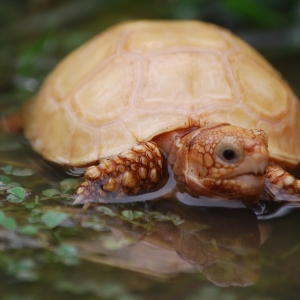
{"x":282,"y":185}
{"x":132,"y":172}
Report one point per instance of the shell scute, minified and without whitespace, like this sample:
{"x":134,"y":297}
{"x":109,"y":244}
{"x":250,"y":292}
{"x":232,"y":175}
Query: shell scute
{"x":59,"y":136}
{"x":260,"y":91}
{"x":72,"y":71}
{"x":201,"y":78}
{"x":84,"y":145}
{"x":97,"y":102}
{"x":159,"y":38}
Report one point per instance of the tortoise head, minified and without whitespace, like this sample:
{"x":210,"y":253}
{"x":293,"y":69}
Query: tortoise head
{"x":223,"y":160}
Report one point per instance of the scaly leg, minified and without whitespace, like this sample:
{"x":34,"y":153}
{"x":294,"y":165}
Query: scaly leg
{"x":132,"y":172}
{"x":281,"y":184}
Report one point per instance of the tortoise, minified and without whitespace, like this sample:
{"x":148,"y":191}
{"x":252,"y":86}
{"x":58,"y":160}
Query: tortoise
{"x":146,"y":94}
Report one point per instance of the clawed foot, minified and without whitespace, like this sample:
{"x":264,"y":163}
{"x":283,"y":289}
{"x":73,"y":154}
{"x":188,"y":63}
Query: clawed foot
{"x":134,"y":171}
{"x":281,"y":185}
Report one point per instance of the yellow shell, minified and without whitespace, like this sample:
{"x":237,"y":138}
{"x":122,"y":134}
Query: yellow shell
{"x":140,"y":79}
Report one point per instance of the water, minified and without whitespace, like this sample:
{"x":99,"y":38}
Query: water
{"x":162,"y":248}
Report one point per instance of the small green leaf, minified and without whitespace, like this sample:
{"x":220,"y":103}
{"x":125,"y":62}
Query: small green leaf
{"x":111,"y":243}
{"x":95,"y":226}
{"x":158,"y":216}
{"x":66,"y":250}
{"x":34,"y":219}
{"x":106,"y":211}
{"x":68,"y":254}
{"x":4,"y":180}
{"x":51,"y":193}
{"x":28,"y":229}
{"x":8,"y":186}
{"x":138,"y":214}
{"x":178,"y":221}
{"x":31,"y":205}
{"x":52,"y":219}
{"x":14,"y":199}
{"x":169,"y":217}
{"x":128,"y":214}
{"x":175,"y":219}
{"x":24,"y":270}
{"x":16,"y":193}
{"x":7,"y":169}
{"x":8,"y":223}
{"x":22,"y":172}
{"x":68,"y":184}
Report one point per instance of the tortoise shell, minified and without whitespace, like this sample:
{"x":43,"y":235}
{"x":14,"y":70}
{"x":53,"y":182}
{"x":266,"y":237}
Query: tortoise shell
{"x":140,"y":79}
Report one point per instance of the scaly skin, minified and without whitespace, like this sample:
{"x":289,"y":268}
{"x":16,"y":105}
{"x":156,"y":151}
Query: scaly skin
{"x":132,"y":172}
{"x":216,"y":160}
{"x":200,"y":167}
{"x":283,"y":186}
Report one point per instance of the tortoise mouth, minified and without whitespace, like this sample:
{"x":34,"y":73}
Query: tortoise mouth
{"x":254,"y":174}
{"x":247,"y":187}
{"x":250,"y":181}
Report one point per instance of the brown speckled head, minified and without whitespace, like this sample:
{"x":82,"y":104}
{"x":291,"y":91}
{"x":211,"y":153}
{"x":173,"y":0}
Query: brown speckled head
{"x":222,"y":160}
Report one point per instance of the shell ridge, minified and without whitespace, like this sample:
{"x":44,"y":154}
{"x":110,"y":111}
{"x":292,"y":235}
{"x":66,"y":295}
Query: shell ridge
{"x":50,"y":122}
{"x":183,"y":50}
{"x":137,"y":86}
{"x":75,"y":120}
{"x":234,"y":84}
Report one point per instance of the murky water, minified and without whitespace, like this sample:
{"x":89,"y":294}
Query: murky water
{"x":162,"y":248}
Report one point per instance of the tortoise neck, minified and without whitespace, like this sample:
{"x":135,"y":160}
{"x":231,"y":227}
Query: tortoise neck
{"x":165,"y":141}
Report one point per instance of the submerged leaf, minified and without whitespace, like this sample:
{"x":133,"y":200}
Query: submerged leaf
{"x":22,"y":172}
{"x":107,"y":211}
{"x":7,"y":222}
{"x":52,"y":219}
{"x":35,"y":216}
{"x":14,"y":199}
{"x":4,"y":180}
{"x":24,"y":269}
{"x":112,"y":243}
{"x":95,"y":226}
{"x":16,"y":195}
{"x":51,"y":193}
{"x":8,"y":186}
{"x":128,"y":214}
{"x":68,"y":184}
{"x":17,"y":171}
{"x":138,"y":214}
{"x":169,"y":217}
{"x":66,"y":250}
{"x":28,"y":229}
{"x":68,"y":254}
{"x":18,"y":192}
{"x":7,"y":169}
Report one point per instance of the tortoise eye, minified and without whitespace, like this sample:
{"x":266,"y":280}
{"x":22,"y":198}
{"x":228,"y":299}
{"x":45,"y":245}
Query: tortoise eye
{"x":229,"y":154}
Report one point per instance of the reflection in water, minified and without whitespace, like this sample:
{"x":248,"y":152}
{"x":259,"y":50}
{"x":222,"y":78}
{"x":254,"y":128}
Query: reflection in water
{"x":167,"y":238}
